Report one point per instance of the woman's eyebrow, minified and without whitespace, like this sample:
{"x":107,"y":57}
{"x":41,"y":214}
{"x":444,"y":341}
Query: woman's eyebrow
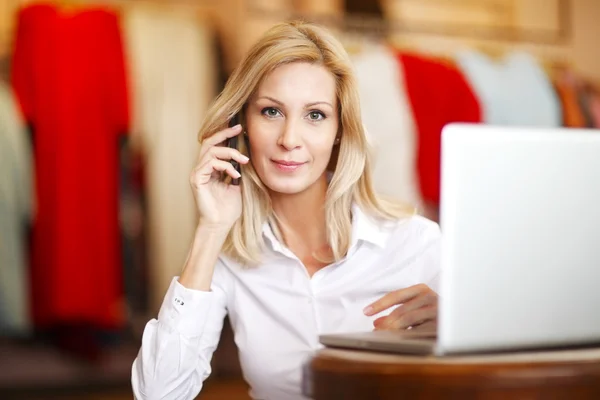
{"x":311,"y":104}
{"x":317,"y":103}
{"x":271,"y":99}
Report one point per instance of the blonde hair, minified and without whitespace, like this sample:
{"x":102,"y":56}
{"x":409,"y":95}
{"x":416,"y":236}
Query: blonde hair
{"x":285,"y":43}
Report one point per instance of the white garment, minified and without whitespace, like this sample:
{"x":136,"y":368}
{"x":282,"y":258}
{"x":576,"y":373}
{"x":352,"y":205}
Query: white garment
{"x":173,"y":77}
{"x":277,"y":311}
{"x":388,"y":119}
{"x":16,"y":210}
{"x":515,"y":91}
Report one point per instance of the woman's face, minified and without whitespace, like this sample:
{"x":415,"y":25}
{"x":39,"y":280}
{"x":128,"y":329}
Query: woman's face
{"x":292,"y":122}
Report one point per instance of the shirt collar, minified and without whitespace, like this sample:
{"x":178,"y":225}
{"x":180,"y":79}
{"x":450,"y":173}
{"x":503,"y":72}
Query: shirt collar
{"x":276,"y":245}
{"x":368,"y":229}
{"x":364,"y":229}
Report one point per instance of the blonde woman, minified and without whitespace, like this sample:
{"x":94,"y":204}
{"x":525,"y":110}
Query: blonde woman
{"x":303,"y":246}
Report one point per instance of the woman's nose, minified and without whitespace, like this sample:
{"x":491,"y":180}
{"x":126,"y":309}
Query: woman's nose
{"x":290,"y":136}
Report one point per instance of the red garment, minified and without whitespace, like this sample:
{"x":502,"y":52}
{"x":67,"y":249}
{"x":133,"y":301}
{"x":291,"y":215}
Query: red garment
{"x":69,"y":75}
{"x":439,"y":94}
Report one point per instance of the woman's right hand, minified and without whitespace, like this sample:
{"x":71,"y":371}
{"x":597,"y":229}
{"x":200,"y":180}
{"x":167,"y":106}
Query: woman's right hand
{"x":219,"y":203}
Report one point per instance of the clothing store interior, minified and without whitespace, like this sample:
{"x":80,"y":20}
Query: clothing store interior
{"x":96,"y":210}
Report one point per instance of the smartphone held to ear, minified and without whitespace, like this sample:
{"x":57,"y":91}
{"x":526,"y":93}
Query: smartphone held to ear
{"x":233,"y":143}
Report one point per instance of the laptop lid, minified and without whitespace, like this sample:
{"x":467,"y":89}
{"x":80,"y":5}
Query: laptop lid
{"x":520,"y":217}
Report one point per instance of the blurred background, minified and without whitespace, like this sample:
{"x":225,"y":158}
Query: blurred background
{"x":100,"y":106}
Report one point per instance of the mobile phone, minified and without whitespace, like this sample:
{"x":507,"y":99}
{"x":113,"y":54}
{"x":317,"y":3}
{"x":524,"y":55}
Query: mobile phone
{"x":233,"y":143}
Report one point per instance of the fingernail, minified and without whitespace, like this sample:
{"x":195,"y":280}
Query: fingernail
{"x":367,"y":310}
{"x":245,"y":158}
{"x":237,"y":127}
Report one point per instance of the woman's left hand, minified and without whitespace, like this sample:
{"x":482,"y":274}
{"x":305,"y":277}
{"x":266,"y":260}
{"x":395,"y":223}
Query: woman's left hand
{"x":417,"y":309}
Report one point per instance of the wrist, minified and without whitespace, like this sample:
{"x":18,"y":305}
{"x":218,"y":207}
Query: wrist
{"x":206,"y":247}
{"x":213,"y":229}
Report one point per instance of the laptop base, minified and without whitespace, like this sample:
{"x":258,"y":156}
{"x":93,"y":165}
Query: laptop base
{"x":403,"y":342}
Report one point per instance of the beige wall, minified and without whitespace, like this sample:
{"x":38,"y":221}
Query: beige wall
{"x":580,"y":51}
{"x":240,"y":29}
{"x":584,"y":51}
{"x":7,"y":10}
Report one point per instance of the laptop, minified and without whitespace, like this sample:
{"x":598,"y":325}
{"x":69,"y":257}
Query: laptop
{"x":520,"y":221}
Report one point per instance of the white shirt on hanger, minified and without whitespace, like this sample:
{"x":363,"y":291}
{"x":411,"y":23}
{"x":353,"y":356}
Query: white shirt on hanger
{"x":514,"y":91}
{"x":17,"y":207}
{"x":173,"y":80}
{"x":277,"y":311}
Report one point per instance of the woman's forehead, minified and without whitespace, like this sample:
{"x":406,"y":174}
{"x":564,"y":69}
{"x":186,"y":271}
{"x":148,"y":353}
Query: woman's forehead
{"x":299,"y":83}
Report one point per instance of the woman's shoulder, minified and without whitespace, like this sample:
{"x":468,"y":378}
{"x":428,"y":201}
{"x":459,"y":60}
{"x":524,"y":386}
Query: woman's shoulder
{"x":419,"y":223}
{"x":407,"y":228}
{"x":415,"y":227}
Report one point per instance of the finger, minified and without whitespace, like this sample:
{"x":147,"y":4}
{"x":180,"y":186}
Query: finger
{"x":394,"y":298}
{"x":427,"y":298}
{"x":202,"y":174}
{"x":429,"y":326}
{"x":218,"y":138}
{"x":227,"y":153}
{"x":412,"y":318}
{"x":227,"y":167}
{"x":219,"y":153}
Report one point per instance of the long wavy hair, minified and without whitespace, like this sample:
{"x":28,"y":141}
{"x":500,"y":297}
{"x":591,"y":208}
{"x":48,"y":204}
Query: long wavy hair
{"x":350,"y":163}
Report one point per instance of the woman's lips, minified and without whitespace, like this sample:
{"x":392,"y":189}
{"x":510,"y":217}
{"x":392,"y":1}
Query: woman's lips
{"x":287,"y":166}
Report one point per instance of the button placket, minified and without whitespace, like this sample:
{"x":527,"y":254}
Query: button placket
{"x":315,"y":305}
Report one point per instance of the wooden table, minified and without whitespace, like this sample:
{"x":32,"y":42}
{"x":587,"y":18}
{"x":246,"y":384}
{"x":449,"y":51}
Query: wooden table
{"x":351,"y":375}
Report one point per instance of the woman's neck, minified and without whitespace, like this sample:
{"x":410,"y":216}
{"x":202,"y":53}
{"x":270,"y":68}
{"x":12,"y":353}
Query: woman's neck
{"x":301,"y":218}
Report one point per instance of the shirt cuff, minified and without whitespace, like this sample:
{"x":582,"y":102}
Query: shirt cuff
{"x":185,"y":310}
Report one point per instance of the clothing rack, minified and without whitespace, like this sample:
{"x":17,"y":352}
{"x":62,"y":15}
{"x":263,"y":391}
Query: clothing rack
{"x":378,"y":27}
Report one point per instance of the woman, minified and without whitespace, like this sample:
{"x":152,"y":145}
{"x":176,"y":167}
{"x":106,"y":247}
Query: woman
{"x":302,"y":246}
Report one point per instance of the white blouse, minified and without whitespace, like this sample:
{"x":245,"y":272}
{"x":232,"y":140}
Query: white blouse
{"x":277,"y":311}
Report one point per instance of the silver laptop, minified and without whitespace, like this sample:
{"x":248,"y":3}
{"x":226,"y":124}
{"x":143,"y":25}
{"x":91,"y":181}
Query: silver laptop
{"x":520,"y":220}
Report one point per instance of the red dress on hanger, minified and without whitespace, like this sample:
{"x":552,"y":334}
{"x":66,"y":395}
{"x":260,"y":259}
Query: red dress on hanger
{"x":439,"y":94}
{"x":69,"y":75}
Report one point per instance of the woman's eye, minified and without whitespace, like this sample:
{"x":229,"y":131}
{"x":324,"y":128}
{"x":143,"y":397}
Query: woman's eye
{"x":316,"y":115}
{"x":270,"y":112}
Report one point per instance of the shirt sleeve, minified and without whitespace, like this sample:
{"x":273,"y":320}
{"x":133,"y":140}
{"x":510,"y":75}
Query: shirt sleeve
{"x":177,"y":347}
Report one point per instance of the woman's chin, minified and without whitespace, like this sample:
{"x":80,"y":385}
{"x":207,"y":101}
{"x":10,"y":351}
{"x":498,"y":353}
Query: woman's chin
{"x":287,"y":185}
